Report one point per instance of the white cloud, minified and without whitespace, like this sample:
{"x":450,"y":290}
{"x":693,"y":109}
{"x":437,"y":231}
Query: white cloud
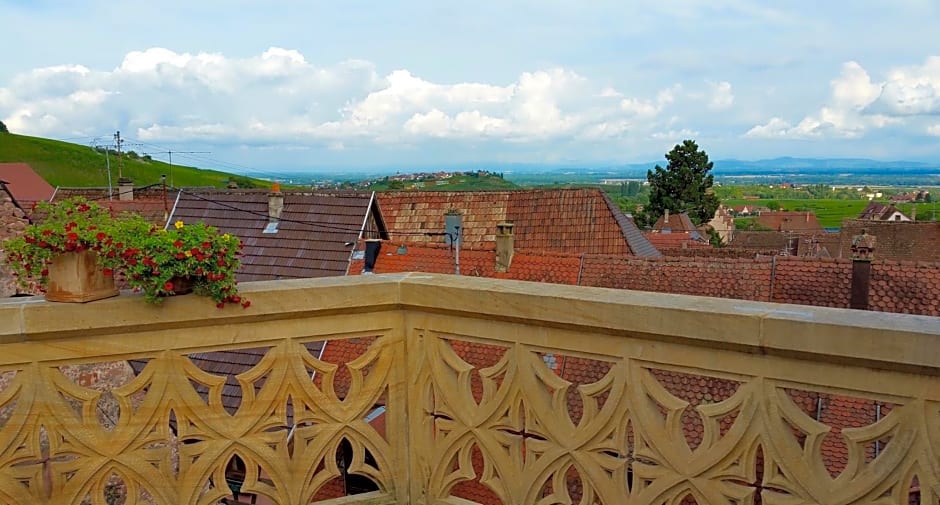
{"x":278,"y":97}
{"x":722,"y":97}
{"x":907,"y":96}
{"x":934,"y":130}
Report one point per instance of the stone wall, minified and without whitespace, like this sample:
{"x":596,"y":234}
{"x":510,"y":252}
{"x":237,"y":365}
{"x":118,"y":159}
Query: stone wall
{"x":12,"y":223}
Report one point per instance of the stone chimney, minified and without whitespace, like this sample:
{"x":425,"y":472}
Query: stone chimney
{"x":504,"y":246}
{"x":125,"y":189}
{"x":913,"y":213}
{"x":863,"y":248}
{"x":275,"y":203}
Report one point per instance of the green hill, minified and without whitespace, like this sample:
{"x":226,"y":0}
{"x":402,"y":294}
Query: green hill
{"x":73,"y":165}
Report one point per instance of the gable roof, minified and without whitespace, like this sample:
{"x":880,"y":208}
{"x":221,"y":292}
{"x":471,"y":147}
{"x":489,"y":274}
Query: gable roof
{"x":675,"y":223}
{"x":880,"y":212}
{"x":564,"y":220}
{"x":25,"y":185}
{"x":676,"y":240}
{"x":789,"y":221}
{"x":311,"y":236}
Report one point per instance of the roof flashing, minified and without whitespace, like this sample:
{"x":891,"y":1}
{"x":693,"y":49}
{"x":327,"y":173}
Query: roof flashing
{"x":270,"y":228}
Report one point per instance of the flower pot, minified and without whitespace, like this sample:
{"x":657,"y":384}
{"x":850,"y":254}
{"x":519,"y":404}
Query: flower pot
{"x":77,"y":277}
{"x":182,"y":285}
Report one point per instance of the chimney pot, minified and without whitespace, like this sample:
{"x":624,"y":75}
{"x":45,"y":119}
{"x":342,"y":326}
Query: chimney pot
{"x":504,"y":246}
{"x":275,"y":203}
{"x":666,"y":217}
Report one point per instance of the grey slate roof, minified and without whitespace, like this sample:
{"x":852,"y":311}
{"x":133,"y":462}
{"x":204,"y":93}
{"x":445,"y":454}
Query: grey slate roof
{"x":311,"y":236}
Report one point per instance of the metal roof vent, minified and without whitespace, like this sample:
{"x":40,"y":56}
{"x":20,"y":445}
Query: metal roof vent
{"x":270,"y":228}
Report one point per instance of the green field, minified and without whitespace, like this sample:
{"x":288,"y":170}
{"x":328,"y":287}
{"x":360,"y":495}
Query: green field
{"x":830,"y":213}
{"x":73,"y":165}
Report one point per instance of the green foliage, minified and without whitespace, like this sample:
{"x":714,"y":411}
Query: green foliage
{"x":3,"y":128}
{"x":148,"y":256}
{"x":153,"y":257}
{"x":73,"y":165}
{"x":683,"y":186}
{"x":73,"y":225}
{"x":773,"y":205}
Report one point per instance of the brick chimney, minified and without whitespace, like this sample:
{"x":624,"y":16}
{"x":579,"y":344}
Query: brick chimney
{"x":275,"y":203}
{"x":125,"y":189}
{"x":504,"y":246}
{"x":863,"y":247}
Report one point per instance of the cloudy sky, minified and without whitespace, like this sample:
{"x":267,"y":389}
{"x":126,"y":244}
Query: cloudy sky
{"x":307,"y":84}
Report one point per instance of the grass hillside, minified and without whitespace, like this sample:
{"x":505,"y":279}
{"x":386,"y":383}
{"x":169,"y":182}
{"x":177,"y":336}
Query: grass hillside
{"x":74,"y":165}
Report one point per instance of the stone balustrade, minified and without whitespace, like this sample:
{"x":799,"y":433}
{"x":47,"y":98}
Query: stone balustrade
{"x":424,"y":389}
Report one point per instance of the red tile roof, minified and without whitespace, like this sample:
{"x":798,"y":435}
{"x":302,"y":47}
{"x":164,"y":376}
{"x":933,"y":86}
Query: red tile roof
{"x":668,"y":243}
{"x":311,"y":237}
{"x":26,"y":186}
{"x":564,"y":220}
{"x":543,"y":266}
{"x":789,"y":221}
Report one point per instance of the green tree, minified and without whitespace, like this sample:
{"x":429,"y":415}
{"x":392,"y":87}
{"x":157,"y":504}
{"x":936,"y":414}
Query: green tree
{"x":685,"y":185}
{"x":3,"y":128}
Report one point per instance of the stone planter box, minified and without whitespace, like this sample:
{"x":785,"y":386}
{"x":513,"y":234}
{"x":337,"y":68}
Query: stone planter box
{"x":77,"y":277}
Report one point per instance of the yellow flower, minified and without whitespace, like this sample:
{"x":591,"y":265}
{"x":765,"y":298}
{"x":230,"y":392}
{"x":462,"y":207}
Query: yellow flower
{"x":178,"y":224}
{"x":188,"y":254}
{"x":226,"y":236}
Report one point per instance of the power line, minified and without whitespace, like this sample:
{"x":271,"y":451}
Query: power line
{"x":170,"y":153}
{"x":213,"y":161}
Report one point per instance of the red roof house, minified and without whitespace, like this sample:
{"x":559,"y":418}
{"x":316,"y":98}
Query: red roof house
{"x":562,"y":220}
{"x":25,"y":185}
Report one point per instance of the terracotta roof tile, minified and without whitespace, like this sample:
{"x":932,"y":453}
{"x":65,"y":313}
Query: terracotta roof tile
{"x":26,"y":186}
{"x":563,"y":220}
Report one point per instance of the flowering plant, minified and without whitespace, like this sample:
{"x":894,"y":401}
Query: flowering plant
{"x":156,"y":260}
{"x":72,"y":225}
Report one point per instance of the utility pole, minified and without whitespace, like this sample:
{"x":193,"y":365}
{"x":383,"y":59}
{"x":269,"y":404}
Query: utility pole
{"x":118,"y":141}
{"x":170,"y":155}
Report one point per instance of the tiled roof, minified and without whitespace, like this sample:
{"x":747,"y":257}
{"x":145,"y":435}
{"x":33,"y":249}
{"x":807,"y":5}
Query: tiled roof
{"x":895,"y":240}
{"x":311,"y":236}
{"x":667,"y":243}
{"x":789,"y":221}
{"x":151,"y":202}
{"x":879,"y":211}
{"x":766,"y":240}
{"x":541,"y":266}
{"x":565,"y":220}
{"x":676,"y":223}
{"x":26,"y":186}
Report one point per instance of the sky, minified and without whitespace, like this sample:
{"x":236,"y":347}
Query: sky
{"x":301,"y":85}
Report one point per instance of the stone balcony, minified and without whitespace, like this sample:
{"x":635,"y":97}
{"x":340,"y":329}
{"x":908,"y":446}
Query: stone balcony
{"x":468,"y":389}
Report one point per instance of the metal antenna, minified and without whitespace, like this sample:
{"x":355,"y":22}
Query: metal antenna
{"x":170,"y":154}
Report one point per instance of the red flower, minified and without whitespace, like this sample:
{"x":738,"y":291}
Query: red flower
{"x":206,"y":245}
{"x":246,"y":304}
{"x":46,"y":233}
{"x":43,"y":244}
{"x":168,"y":286}
{"x":107,"y":271}
{"x":45,"y":272}
{"x":178,"y":244}
{"x":72,"y":236}
{"x":220,"y":305}
{"x":100,"y":236}
{"x":180,"y":256}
